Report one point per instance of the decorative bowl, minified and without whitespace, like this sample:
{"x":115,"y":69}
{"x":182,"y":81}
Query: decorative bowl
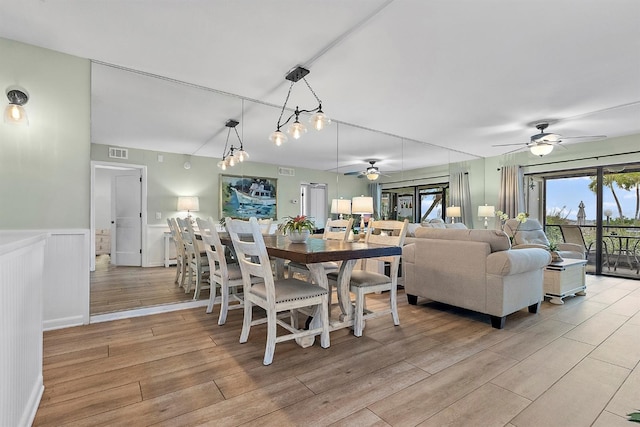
{"x":299,"y":236}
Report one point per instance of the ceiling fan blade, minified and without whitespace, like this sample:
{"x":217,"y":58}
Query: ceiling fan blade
{"x":353,"y":173}
{"x":506,"y":145}
{"x":584,"y":136}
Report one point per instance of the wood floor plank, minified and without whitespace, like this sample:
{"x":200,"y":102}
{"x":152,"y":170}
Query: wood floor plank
{"x":535,"y":374}
{"x":476,"y":409}
{"x":532,"y":339}
{"x":577,"y":399}
{"x":362,"y":418}
{"x":578,"y":313}
{"x":87,"y":405}
{"x":157,"y":410}
{"x":331,"y":406}
{"x":246,"y":407}
{"x":607,"y":419}
{"x":597,"y":329}
{"x":622,"y":348}
{"x":433,"y":394}
{"x":627,"y":398}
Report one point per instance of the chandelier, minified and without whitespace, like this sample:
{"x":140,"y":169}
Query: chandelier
{"x":233,"y":155}
{"x":318,"y":119}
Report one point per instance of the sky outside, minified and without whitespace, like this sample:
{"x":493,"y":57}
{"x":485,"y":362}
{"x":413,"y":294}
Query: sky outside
{"x":569,"y":192}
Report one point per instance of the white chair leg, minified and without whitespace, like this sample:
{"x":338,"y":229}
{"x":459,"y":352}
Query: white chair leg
{"x":393,"y":300}
{"x":271,"y":337}
{"x":224,"y":305}
{"x":213,"y":291}
{"x":246,"y":322}
{"x":324,"y":317}
{"x":178,"y":268}
{"x":359,"y":313}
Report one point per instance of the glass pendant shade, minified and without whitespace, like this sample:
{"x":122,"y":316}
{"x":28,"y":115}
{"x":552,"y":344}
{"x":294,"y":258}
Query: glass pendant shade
{"x":541,"y":149}
{"x":222,"y":165}
{"x":319,"y":120}
{"x":241,"y":155}
{"x":297,"y":129}
{"x":278,"y":138}
{"x":16,"y":114}
{"x":231,"y":161}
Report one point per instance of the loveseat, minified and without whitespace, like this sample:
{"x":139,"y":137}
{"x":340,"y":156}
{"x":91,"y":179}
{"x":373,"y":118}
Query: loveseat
{"x":473,"y":269}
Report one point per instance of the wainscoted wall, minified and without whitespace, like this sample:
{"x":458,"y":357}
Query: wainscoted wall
{"x":155,"y":245}
{"x":66,"y":279}
{"x":21,"y":277}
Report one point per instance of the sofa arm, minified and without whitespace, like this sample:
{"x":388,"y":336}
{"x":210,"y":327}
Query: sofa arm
{"x":506,"y":263}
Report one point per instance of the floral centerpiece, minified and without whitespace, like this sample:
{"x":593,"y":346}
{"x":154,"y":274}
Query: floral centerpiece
{"x":502,"y":217}
{"x":298,"y":228}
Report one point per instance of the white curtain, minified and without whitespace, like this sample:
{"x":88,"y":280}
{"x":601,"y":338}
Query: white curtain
{"x":460,"y":195}
{"x":511,"y":195}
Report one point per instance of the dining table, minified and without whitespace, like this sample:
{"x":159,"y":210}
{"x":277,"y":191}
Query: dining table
{"x":626,"y":249}
{"x":313,"y":253}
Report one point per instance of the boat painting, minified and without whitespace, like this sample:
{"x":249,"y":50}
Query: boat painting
{"x":244,"y":197}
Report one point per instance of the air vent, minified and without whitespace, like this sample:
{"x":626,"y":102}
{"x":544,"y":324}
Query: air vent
{"x":286,"y":171}
{"x":118,"y":153}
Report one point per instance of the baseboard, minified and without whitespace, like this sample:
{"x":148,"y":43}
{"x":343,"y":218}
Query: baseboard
{"x":146,"y":311}
{"x":30,"y":410}
{"x":65,"y":322}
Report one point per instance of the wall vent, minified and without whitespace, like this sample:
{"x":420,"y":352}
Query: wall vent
{"x":118,"y":153}
{"x":286,"y":171}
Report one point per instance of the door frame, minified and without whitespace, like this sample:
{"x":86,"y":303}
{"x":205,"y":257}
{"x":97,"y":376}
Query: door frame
{"x":143,"y":205}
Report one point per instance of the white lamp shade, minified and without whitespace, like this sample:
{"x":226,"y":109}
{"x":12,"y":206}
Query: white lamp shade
{"x":341,"y":206}
{"x":362,"y":205}
{"x":541,"y":149}
{"x":188,"y":203}
{"x":486,"y":211}
{"x":454,"y":212}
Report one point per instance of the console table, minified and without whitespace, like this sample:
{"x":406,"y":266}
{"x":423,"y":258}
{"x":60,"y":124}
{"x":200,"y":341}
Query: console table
{"x":564,"y":278}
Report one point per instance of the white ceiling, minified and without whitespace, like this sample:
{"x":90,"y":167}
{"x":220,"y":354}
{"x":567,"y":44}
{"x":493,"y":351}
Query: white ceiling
{"x":410,"y":82}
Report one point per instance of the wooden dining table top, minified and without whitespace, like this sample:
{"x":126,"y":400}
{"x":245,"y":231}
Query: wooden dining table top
{"x":317,"y":250}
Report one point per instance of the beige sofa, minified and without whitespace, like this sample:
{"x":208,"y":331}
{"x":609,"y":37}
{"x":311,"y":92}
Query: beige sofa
{"x":473,"y":269}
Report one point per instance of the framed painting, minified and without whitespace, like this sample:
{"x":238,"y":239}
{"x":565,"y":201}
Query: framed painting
{"x":247,"y":196}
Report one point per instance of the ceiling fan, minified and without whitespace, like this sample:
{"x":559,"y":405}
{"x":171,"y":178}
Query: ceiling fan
{"x":543,"y":142}
{"x":372,"y":172}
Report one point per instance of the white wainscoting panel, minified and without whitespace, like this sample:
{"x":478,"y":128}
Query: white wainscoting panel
{"x":21,"y":277}
{"x":66,"y":279}
{"x":155,"y":245}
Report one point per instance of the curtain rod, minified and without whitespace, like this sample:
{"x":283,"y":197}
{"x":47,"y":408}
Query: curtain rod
{"x":585,"y":158}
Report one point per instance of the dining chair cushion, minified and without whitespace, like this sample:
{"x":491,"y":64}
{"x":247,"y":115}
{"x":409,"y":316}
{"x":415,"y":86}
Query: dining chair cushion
{"x":233,"y":270}
{"x":290,"y":290}
{"x":362,"y":278}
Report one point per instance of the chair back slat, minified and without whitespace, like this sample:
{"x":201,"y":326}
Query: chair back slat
{"x":251,"y":251}
{"x":387,"y":232}
{"x":213,"y":246}
{"x":337,"y":229}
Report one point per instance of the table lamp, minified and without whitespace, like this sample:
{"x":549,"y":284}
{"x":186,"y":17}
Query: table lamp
{"x":189,"y":204}
{"x":453,"y":212}
{"x":486,"y":212}
{"x":362,"y":206}
{"x":341,"y":207}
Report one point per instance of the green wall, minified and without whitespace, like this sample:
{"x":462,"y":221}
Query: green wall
{"x":44,"y":168}
{"x":169,"y":179}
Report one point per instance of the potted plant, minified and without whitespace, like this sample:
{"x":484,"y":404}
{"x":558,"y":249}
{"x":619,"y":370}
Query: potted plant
{"x":553,"y":248}
{"x":297,"y":228}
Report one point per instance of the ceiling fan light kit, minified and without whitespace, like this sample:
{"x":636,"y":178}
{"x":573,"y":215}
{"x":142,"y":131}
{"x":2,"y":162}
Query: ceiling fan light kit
{"x":318,"y":120}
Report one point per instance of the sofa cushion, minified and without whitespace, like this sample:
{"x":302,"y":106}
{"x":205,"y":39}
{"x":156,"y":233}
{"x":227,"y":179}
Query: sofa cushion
{"x":458,"y":225}
{"x":411,"y":229}
{"x":498,"y":240}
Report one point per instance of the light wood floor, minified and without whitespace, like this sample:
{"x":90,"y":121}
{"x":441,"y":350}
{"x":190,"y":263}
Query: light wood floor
{"x":571,"y":365}
{"x":117,"y":288}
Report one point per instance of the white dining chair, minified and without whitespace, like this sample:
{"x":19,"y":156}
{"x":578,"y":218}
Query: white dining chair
{"x":198,"y":263}
{"x":181,"y":266}
{"x":364,"y":281}
{"x":223,"y":275}
{"x":273,"y":296}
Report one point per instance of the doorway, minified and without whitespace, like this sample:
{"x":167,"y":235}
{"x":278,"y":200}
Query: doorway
{"x":313,"y":202}
{"x":118,"y":213}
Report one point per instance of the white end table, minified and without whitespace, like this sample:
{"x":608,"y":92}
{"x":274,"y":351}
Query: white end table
{"x":564,"y":278}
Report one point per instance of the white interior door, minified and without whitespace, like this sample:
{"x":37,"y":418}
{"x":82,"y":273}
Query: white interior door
{"x":315,"y":201}
{"x":126,"y":218}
